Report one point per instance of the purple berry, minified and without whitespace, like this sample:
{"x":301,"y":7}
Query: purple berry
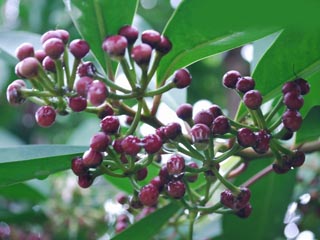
{"x":227,"y":198}
{"x":200,"y":134}
{"x":164,"y":175}
{"x":77,"y":104}
{"x":122,"y":198}
{"x":220,"y":125}
{"x":141,"y":54}
{"x":231,"y":78}
{"x":298,"y":158}
{"x":164,"y":46}
{"x":92,"y":158}
{"x":54,"y":47}
{"x":79,"y":48}
{"x":117,"y":145}
{"x":245,"y":84}
{"x":156,"y":181}
{"x":64,"y":35}
{"x":203,"y":117}
{"x":291,"y":87}
{"x":25,"y":50}
{"x":50,"y":34}
{"x":262,"y":142}
{"x":48,"y":64}
{"x":131,"y":145}
{"x":293,"y":100}
{"x":246,"y":138}
{"x":245,"y":211}
{"x":184,"y":111}
{"x":85,"y":181}
{"x":14,"y":95}
{"x":215,"y":110}
{"x":100,"y":141}
{"x":105,"y":110}
{"x":110,"y":124}
{"x":130,"y":33}
{"x":280,"y":169}
{"x":78,"y":167}
{"x":252,"y":99}
{"x":97,"y":93}
{"x":151,"y":37}
{"x":175,"y":165}
{"x":28,"y":67}
{"x":141,"y":174}
{"x":45,"y":116}
{"x":115,"y":46}
{"x":172,"y":130}
{"x":40,"y":55}
{"x":182,"y":78}
{"x":303,"y":85}
{"x":176,"y":189}
{"x":192,"y":177}
{"x":86,"y":69}
{"x":292,"y":120}
{"x":82,"y":85}
{"x":152,"y":143}
{"x":149,"y":195}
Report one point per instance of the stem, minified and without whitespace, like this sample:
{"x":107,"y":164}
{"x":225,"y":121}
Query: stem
{"x":155,"y":65}
{"x":192,"y":217}
{"x":187,"y":144}
{"x":258,"y":176}
{"x":261,"y":118}
{"x":134,"y":183}
{"x":126,"y":69}
{"x":274,"y":110}
{"x":275,"y":125}
{"x":235,"y":148}
{"x":60,"y":80}
{"x":239,"y":125}
{"x":136,"y":119}
{"x":112,"y":85}
{"x":105,"y":170}
{"x":160,"y":90}
{"x":122,"y":96}
{"x":72,"y":77}
{"x":234,"y":189}
{"x":37,"y":101}
{"x":66,"y":65}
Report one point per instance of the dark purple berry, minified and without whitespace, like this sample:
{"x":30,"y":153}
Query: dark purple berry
{"x":130,"y":33}
{"x":242,"y":199}
{"x":200,"y":134}
{"x":79,"y":48}
{"x":231,"y":78}
{"x":292,"y":120}
{"x":77,"y":104}
{"x":164,"y":46}
{"x":97,"y":93}
{"x":252,"y":99}
{"x":122,"y":198}
{"x":48,"y":64}
{"x":122,"y":218}
{"x":291,"y":87}
{"x":303,"y":85}
{"x":85,"y":181}
{"x":45,"y":116}
{"x":115,"y":46}
{"x":164,"y":175}
{"x":152,"y":143}
{"x":86,"y":69}
{"x":14,"y":95}
{"x":160,"y":132}
{"x":149,"y":195}
{"x":141,"y":174}
{"x":151,"y":37}
{"x":78,"y":167}
{"x":92,"y":158}
{"x":128,"y":120}
{"x":277,"y":168}
{"x":288,"y":135}
{"x":192,"y":177}
{"x":117,"y":145}
{"x":156,"y":181}
{"x":246,"y":138}
{"x":64,"y":35}
{"x":110,"y":124}
{"x":182,"y":78}
{"x":184,"y":111}
{"x":40,"y":55}
{"x":293,"y":100}
{"x":131,"y":145}
{"x":82,"y":85}
{"x":100,"y":141}
{"x":25,"y":50}
{"x":227,"y":198}
{"x":50,"y":34}
{"x":298,"y":158}
{"x":176,"y":189}
{"x":54,"y":47}
{"x":220,"y":125}
{"x":262,"y":142}
{"x":28,"y":67}
{"x":245,"y":211}
{"x":245,"y":84}
{"x":204,"y":117}
{"x":215,"y":110}
{"x":172,"y":130}
{"x":105,"y":110}
{"x":135,"y":203}
{"x":175,"y":165}
{"x":141,"y":54}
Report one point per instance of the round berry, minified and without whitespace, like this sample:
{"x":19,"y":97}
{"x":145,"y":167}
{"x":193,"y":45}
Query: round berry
{"x":231,"y":78}
{"x":115,"y":46}
{"x":24,"y":50}
{"x":149,"y":195}
{"x":175,"y":165}
{"x":246,"y":138}
{"x":105,"y":110}
{"x":192,"y":177}
{"x":54,"y":47}
{"x":79,"y":48}
{"x":110,"y":124}
{"x":50,"y":34}
{"x":45,"y":116}
{"x":227,"y":198}
{"x":130,"y":33}
{"x":298,"y":158}
{"x":182,"y":78}
{"x":164,"y":175}
{"x":200,"y":134}
{"x":151,"y":37}
{"x":215,"y":110}
{"x":40,"y":55}
{"x":245,"y":84}
{"x":131,"y":145}
{"x":176,"y":189}
{"x":252,"y":99}
{"x":141,"y":54}
{"x":97,"y":93}
{"x":160,"y":132}
{"x":277,"y":168}
{"x":28,"y":67}
{"x":220,"y":125}
{"x":293,"y":100}
{"x":100,"y":141}
{"x":164,"y":46}
{"x":204,"y":117}
{"x":85,"y":181}
{"x":184,"y":111}
{"x":117,"y":145}
{"x":152,"y":143}
{"x":78,"y":167}
{"x":135,"y":203}
{"x":156,"y":181}
{"x":82,"y":85}
{"x":14,"y":95}
{"x":86,"y":69}
{"x":48,"y":64}
{"x":122,"y":198}
{"x":303,"y":85}
{"x":292,"y":120}
{"x":291,"y":87}
{"x":262,"y":142}
{"x":92,"y":158}
{"x":64,"y":35}
{"x":77,"y":104}
{"x":172,"y":130}
{"x":141,"y":174}
{"x":242,"y":199}
{"x":245,"y":211}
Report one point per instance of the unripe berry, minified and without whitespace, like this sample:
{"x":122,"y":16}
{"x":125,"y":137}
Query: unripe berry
{"x":151,"y":37}
{"x":164,"y":46}
{"x":182,"y":78}
{"x":293,"y":100}
{"x":176,"y":189}
{"x":110,"y":124}
{"x":48,"y":64}
{"x":141,"y":174}
{"x":100,"y":141}
{"x":85,"y":181}
{"x":141,"y":54}
{"x":45,"y":116}
{"x":77,"y":104}
{"x":252,"y":99}
{"x":262,"y":142}
{"x":246,"y":138}
{"x":78,"y":167}
{"x":215,"y":110}
{"x":54,"y":47}
{"x":220,"y":125}
{"x":28,"y":67}
{"x":92,"y":158}
{"x":303,"y":85}
{"x":148,"y":195}
{"x":115,"y":46}
{"x":292,"y":120}
{"x":204,"y":117}
{"x":175,"y":165}
{"x":184,"y":111}
{"x":131,"y":145}
{"x":24,"y":50}
{"x":86,"y":69}
{"x":200,"y":134}
{"x":79,"y":48}
{"x":97,"y":93}
{"x":40,"y":55}
{"x":245,"y":84}
{"x":152,"y":143}
{"x":193,"y":176}
{"x":14,"y":95}
{"x":82,"y":85}
{"x":172,"y":130}
{"x":231,"y":78}
{"x":130,"y":33}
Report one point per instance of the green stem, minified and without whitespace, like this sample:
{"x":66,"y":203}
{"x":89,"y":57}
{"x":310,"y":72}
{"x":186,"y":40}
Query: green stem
{"x":66,"y":65}
{"x":160,"y":90}
{"x":112,"y":85}
{"x":187,"y":144}
{"x":122,"y":96}
{"x":59,"y":70}
{"x":261,"y":119}
{"x":155,"y":65}
{"x":234,"y":189}
{"x":192,"y":217}
{"x":107,"y":171}
{"x":235,"y":148}
{"x":278,"y":146}
{"x":134,"y":183}
{"x":72,"y":77}
{"x":136,"y":119}
{"x":37,"y":101}
{"x":274,"y":110}
{"x":35,"y":93}
{"x":275,"y":125}
{"x":210,"y":209}
{"x":45,"y":80}
{"x":239,"y":125}
{"x":126,"y":69}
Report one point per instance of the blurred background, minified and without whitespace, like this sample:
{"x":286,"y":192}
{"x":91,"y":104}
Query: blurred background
{"x":56,"y":208}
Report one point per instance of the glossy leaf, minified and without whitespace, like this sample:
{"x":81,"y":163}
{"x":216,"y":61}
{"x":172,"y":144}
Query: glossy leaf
{"x":23,"y":163}
{"x":196,"y":32}
{"x":150,"y":225}
{"x":97,"y":19}
{"x":310,"y":129}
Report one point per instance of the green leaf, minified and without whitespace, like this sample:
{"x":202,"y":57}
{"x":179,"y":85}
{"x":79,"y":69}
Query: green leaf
{"x":270,"y":197}
{"x":310,"y":129}
{"x":150,"y":225}
{"x":23,"y":163}
{"x":196,"y":32}
{"x":97,"y":19}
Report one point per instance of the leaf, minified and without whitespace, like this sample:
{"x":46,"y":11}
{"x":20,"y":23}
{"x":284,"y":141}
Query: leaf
{"x":270,"y":197}
{"x":310,"y":129}
{"x":23,"y":163}
{"x":150,"y":225}
{"x":97,"y":19}
{"x":196,"y":32}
